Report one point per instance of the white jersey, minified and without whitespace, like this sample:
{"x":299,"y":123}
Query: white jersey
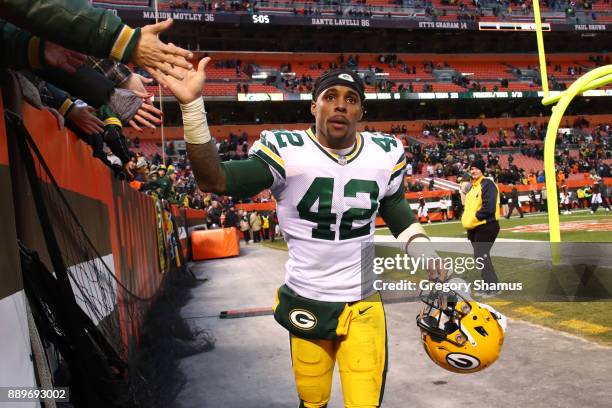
{"x":327,"y":206}
{"x":565,"y":199}
{"x":596,"y":198}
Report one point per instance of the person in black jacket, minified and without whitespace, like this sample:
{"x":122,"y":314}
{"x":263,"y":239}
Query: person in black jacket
{"x":457,"y":206}
{"x":503,"y":202}
{"x":231,"y":219}
{"x":514,"y":203}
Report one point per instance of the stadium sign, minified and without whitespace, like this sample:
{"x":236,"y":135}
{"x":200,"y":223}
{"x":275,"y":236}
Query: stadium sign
{"x":444,"y":25}
{"x":590,"y":27}
{"x":339,"y":22}
{"x":162,"y":15}
{"x":402,"y":23}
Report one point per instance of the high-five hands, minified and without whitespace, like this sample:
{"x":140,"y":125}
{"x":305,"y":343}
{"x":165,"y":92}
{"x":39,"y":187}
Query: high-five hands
{"x":190,"y":87}
{"x":155,"y":56}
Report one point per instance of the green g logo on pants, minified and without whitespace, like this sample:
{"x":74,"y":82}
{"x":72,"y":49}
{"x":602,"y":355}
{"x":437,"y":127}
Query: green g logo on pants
{"x":302,"y":319}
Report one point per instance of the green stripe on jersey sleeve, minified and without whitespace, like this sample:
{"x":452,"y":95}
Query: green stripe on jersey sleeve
{"x":271,"y":161}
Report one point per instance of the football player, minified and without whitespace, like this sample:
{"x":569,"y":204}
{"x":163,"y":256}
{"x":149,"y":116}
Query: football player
{"x":329,"y":182}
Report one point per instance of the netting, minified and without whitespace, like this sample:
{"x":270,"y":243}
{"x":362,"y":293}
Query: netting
{"x":87,"y":313}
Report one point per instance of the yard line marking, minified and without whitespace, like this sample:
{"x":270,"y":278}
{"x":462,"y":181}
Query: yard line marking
{"x":585,"y":327}
{"x":533,"y":311}
{"x":500,"y":303}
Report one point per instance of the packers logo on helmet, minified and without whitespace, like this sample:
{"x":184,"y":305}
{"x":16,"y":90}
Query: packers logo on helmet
{"x":462,"y":361}
{"x":460,"y":335}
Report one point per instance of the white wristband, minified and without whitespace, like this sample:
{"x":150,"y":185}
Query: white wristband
{"x":417,"y":242}
{"x":194,"y":122}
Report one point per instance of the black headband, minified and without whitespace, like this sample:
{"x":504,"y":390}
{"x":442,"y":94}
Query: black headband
{"x":342,"y":77}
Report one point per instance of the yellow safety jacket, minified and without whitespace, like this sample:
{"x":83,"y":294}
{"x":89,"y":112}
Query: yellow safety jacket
{"x":481,"y":204}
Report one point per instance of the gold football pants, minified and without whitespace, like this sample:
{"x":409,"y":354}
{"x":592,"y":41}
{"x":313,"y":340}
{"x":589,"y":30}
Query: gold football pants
{"x":361,"y":353}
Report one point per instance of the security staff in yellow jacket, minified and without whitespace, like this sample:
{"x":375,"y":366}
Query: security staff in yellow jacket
{"x":480,"y":218}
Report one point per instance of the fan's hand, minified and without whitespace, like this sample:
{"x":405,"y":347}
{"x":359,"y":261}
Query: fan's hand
{"x":153,"y":55}
{"x":60,"y":57}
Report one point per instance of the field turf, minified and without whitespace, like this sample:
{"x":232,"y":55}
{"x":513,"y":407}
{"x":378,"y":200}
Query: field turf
{"x":455,"y":230}
{"x":591,"y":320}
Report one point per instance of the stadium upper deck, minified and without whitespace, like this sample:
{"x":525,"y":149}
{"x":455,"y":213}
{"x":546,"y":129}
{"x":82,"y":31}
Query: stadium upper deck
{"x":292,"y":73}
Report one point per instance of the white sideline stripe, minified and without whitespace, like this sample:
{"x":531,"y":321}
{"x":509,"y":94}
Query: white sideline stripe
{"x":390,"y":238}
{"x":538,"y":214}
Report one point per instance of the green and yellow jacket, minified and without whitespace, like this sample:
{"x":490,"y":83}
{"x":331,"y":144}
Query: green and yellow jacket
{"x":74,"y":24}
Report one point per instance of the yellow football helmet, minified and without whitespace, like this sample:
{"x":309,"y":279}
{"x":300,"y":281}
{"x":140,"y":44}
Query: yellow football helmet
{"x":460,"y":335}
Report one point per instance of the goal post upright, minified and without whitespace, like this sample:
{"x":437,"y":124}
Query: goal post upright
{"x":595,"y":78}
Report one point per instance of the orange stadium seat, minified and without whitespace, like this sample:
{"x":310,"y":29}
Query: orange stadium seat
{"x":488,"y":70}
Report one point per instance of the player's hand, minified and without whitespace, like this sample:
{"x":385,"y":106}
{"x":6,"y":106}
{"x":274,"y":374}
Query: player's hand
{"x":436,"y":273}
{"x":153,"y":55}
{"x":190,"y":87}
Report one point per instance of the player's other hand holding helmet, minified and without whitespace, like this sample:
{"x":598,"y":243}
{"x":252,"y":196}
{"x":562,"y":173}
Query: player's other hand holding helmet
{"x":460,"y":335}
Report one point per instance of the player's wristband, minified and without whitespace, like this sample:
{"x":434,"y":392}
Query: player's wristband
{"x":194,"y":122}
{"x":417,"y":242}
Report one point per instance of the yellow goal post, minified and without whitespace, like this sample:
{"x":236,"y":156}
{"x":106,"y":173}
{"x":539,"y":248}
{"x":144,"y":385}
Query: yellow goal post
{"x":595,"y":78}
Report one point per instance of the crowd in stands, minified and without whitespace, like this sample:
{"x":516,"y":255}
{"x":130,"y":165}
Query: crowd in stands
{"x":211,"y":6}
{"x":443,"y":151}
{"x":594,"y":150}
{"x":449,"y":148}
{"x":234,"y":147}
{"x":173,"y":182}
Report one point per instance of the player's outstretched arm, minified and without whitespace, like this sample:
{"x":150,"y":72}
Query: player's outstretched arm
{"x":206,"y":167}
{"x":201,"y":149}
{"x":241,"y":178}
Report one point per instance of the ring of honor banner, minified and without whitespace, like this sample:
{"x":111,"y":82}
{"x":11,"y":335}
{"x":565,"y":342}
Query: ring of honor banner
{"x":416,"y":21}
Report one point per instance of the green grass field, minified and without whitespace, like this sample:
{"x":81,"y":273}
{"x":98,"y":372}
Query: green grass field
{"x":590,"y":320}
{"x":455,"y":230}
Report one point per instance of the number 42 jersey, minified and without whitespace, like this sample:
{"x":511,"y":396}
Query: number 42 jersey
{"x":327,"y":206}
